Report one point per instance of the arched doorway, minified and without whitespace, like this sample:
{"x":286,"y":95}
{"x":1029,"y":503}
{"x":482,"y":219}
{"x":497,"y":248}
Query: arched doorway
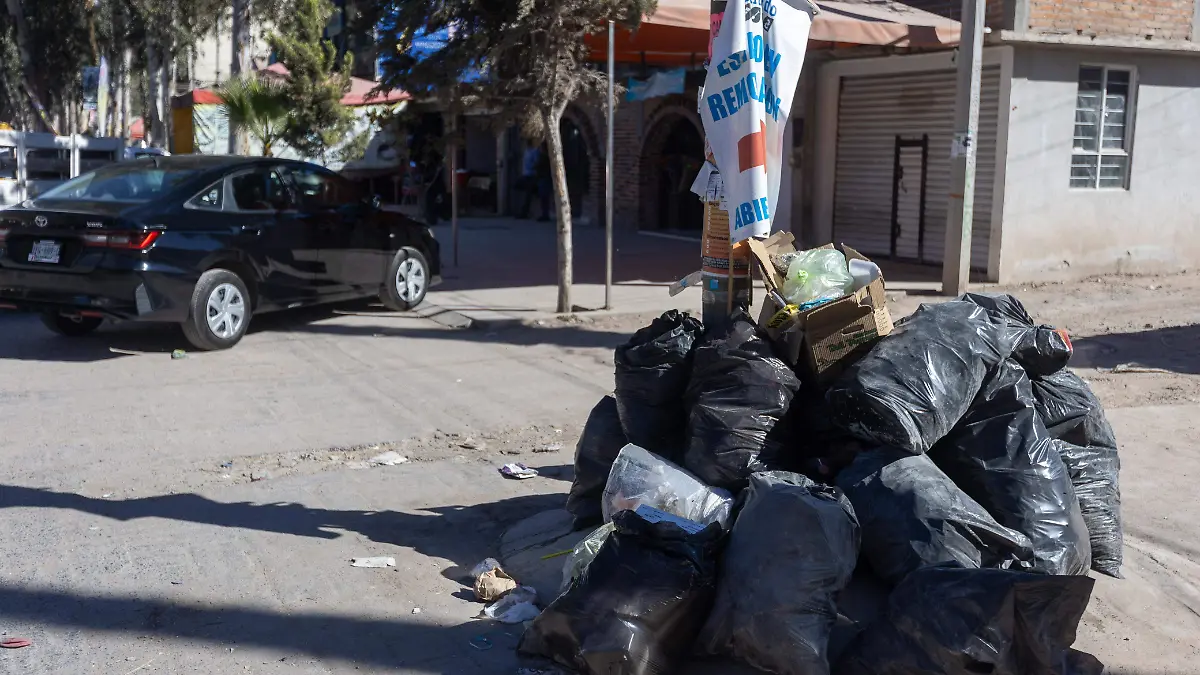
{"x":577,"y":163}
{"x":671,"y":157}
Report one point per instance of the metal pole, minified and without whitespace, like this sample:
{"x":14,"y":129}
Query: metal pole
{"x":956,"y":267}
{"x":608,"y":180}
{"x":454,"y":198}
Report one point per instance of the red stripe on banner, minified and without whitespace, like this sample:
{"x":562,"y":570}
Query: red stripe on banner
{"x":752,"y":149}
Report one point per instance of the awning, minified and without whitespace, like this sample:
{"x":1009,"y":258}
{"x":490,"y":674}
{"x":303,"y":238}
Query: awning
{"x":677,"y":33}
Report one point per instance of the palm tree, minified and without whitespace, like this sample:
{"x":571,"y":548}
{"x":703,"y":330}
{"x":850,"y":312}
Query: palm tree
{"x":258,"y":106}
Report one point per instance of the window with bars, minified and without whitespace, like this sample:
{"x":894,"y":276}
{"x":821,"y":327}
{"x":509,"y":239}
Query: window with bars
{"x":1100,"y":151}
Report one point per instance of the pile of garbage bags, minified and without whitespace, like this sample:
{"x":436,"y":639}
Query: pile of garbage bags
{"x":736,"y":507}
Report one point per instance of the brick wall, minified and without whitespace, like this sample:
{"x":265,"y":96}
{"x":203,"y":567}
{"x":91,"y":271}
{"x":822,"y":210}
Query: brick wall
{"x":1158,"y":19}
{"x":635,"y":127}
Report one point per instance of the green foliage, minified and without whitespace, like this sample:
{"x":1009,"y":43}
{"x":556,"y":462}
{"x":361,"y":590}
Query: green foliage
{"x":257,"y":105}
{"x":319,"y":78}
{"x":355,"y":148}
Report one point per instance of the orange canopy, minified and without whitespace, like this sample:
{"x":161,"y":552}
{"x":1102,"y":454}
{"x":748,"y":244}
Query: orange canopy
{"x":677,"y":33}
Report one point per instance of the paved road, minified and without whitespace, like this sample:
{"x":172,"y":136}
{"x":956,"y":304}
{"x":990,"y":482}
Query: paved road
{"x":126,"y":539}
{"x":75,"y":413}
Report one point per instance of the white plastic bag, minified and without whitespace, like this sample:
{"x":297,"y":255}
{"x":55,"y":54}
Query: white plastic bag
{"x":817,"y":274}
{"x":516,"y":607}
{"x":640,"y":477}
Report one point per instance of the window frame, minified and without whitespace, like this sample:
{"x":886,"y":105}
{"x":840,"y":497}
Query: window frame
{"x":230,"y":200}
{"x":1129,"y":131}
{"x":332,"y":176}
{"x":194,"y":204}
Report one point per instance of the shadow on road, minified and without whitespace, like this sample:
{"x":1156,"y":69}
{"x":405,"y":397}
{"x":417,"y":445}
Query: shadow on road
{"x":435,"y":532}
{"x":1176,"y":349}
{"x":373,"y":643}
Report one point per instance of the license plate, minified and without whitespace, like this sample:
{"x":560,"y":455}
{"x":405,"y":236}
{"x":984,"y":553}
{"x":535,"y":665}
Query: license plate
{"x":45,"y":252}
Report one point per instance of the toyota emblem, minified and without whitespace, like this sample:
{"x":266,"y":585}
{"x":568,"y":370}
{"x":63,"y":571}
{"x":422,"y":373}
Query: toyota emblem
{"x":41,"y":221}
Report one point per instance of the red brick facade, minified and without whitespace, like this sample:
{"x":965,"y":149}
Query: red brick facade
{"x":636,"y":127}
{"x":1154,"y":19}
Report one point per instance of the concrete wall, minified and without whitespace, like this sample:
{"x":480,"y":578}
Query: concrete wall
{"x":1053,"y":232}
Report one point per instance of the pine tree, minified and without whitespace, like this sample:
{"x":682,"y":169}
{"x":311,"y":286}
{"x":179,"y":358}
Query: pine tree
{"x":535,"y":63}
{"x":318,"y":81}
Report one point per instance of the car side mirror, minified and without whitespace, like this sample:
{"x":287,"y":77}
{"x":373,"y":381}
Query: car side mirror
{"x":374,"y":202}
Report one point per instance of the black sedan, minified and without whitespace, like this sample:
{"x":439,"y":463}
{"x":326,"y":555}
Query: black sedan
{"x":206,"y":242}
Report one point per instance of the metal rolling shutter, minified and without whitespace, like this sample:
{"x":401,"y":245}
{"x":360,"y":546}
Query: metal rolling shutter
{"x":873,"y":110}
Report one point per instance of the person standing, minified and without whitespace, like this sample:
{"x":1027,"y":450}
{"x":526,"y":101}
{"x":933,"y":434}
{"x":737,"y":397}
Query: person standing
{"x":528,"y":185}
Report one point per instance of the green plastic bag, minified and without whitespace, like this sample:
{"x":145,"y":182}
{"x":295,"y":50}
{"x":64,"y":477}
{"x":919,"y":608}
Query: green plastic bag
{"x":819,"y":274}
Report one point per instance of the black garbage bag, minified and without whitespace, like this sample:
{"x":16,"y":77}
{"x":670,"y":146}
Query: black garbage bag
{"x":1041,"y":350}
{"x":913,"y":516}
{"x":1088,"y":448}
{"x":793,"y":548}
{"x":738,"y":393}
{"x":954,"y":621}
{"x":1063,"y":401}
{"x":637,"y":607}
{"x":597,"y":449}
{"x":652,"y":373}
{"x":915,"y":384}
{"x":1002,"y":456}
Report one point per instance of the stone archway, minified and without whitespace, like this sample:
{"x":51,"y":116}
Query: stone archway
{"x":672,"y":153}
{"x":585,"y":167}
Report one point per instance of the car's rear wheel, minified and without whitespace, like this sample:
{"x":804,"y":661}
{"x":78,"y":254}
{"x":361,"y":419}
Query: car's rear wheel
{"x":220,"y":311}
{"x":71,"y":326}
{"x":407,"y":281}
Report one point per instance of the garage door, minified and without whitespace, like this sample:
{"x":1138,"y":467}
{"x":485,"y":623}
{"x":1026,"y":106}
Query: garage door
{"x":893,"y":163}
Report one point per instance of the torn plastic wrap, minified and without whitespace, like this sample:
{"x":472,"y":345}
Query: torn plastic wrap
{"x":1088,"y":447}
{"x":598,"y":447}
{"x":640,"y":477}
{"x":1002,"y":456}
{"x":1041,"y":350}
{"x":953,"y":621}
{"x":792,"y":550}
{"x":639,"y":604}
{"x":738,"y":393}
{"x":652,"y":371}
{"x":913,"y":516}
{"x":915,"y":384}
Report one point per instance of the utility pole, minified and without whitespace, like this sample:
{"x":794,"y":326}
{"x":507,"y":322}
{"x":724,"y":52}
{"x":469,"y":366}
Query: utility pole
{"x":608,"y":177}
{"x":956,"y":267}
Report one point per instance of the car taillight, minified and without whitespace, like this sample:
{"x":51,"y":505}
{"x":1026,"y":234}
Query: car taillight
{"x":130,"y":241}
{"x":3,"y":234}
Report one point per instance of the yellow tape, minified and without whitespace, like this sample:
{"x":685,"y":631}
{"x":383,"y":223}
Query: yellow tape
{"x":784,"y":316}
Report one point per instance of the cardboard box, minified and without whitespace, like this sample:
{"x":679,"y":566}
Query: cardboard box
{"x":821,"y":338}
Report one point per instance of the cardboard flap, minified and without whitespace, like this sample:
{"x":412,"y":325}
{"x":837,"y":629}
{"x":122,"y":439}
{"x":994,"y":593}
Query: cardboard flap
{"x":761,"y":251}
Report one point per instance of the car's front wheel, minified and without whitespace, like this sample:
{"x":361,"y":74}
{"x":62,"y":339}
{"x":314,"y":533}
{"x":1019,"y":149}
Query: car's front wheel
{"x":71,"y":326}
{"x":220,"y":311}
{"x":407,"y":280}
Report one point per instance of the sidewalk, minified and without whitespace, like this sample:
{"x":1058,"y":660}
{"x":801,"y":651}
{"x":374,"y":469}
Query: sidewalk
{"x":508,"y":271}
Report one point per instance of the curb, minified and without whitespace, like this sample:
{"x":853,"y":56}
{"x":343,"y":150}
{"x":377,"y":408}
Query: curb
{"x":446,"y":317}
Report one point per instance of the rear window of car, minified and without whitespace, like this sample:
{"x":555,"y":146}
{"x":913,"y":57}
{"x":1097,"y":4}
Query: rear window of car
{"x":121,"y":184}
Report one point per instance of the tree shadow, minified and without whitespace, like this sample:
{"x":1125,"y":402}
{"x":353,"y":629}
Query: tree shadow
{"x":1176,"y":349}
{"x":472,"y":647}
{"x":436,"y":532}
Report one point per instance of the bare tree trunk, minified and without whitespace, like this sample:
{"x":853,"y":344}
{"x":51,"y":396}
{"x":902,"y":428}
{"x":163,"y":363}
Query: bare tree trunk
{"x":21,"y":35}
{"x":126,"y":104}
{"x":240,"y":65}
{"x":152,"y":120}
{"x":168,"y":92}
{"x":551,"y":118}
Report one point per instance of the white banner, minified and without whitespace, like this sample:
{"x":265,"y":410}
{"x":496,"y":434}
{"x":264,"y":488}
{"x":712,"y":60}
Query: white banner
{"x":756,"y":61}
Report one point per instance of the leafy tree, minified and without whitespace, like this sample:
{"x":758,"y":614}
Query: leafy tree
{"x":318,"y":81}
{"x":534,"y":57}
{"x":258,"y":106}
